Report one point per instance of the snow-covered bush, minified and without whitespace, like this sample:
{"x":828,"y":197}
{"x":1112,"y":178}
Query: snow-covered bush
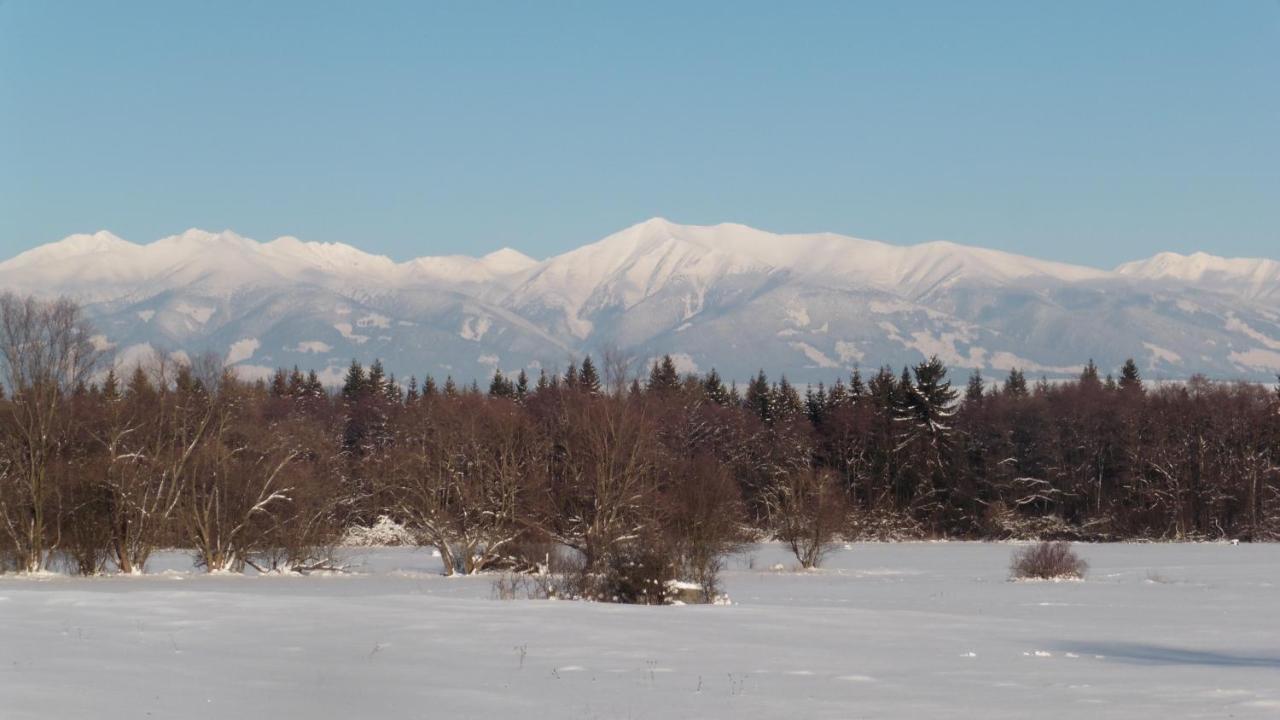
{"x":1048,"y":561}
{"x":385,"y":532}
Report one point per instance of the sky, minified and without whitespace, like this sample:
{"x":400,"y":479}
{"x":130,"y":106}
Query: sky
{"x":1087,"y":132}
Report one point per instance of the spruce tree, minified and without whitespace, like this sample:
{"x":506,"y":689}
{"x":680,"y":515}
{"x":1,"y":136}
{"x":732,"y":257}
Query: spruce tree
{"x":588,"y":378}
{"x":500,"y":386}
{"x":759,"y":397}
{"x":279,"y":384}
{"x":313,"y":387}
{"x":429,"y":389}
{"x":664,"y":379}
{"x":1089,"y":376}
{"x":1016,"y":384}
{"x":411,"y":394}
{"x":450,"y":388}
{"x":376,"y":382}
{"x":297,"y":383}
{"x":1130,"y":379}
{"x":353,"y":385}
{"x":974,"y":391}
{"x":110,"y":386}
{"x":522,"y":386}
{"x":856,"y":387}
{"x":714,"y":388}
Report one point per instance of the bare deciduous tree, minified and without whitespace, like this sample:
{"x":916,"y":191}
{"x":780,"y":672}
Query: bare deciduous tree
{"x":46,"y":352}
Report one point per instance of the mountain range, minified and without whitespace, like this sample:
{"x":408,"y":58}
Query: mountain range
{"x":810,"y":306}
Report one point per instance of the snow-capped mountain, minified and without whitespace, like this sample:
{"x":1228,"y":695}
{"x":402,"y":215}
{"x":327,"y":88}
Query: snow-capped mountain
{"x":726,"y":296}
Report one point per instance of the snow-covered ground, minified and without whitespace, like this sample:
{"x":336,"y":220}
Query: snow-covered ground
{"x":917,"y":630}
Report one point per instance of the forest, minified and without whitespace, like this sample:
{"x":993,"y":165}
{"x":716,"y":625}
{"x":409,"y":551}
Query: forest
{"x":639,"y":471}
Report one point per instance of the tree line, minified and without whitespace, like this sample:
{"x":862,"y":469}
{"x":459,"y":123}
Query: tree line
{"x":643,"y":476}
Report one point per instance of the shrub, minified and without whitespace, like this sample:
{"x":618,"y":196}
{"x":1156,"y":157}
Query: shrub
{"x":386,"y":532}
{"x":808,"y":509}
{"x":1048,"y":561}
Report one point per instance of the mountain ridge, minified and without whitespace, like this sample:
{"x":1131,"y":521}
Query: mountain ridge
{"x":728,"y":295}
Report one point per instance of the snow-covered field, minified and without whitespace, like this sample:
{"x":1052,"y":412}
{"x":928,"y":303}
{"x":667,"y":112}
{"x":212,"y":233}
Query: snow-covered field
{"x":917,"y":630}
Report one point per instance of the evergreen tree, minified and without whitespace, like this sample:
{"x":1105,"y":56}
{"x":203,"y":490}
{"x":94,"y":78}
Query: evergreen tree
{"x":522,"y":386}
{"x":110,"y":386}
{"x":838,"y":396}
{"x":759,"y":398}
{"x":500,"y":386}
{"x":714,"y":388}
{"x":786,"y":401}
{"x":429,"y":389}
{"x":588,"y":378}
{"x":354,"y":384}
{"x":815,"y":404}
{"x":1016,"y":384}
{"x":279,"y":384}
{"x":543,"y":383}
{"x":376,"y":382}
{"x":1130,"y":379}
{"x":314,"y":388}
{"x":1089,"y":376}
{"x":139,"y":385}
{"x":664,"y":379}
{"x":927,"y":405}
{"x":1042,"y":386}
{"x":297,"y":383}
{"x":392,"y":392}
{"x":411,"y":394}
{"x":450,"y":388}
{"x":571,"y":376}
{"x":974,"y":391}
{"x":856,"y":387}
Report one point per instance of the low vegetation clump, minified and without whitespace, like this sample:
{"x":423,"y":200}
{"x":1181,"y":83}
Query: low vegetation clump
{"x":1048,"y":561}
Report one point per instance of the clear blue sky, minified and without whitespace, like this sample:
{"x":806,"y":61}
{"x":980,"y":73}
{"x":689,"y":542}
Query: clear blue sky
{"x":1092,"y":132}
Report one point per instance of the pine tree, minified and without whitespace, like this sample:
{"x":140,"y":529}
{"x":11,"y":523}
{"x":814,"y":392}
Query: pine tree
{"x":543,"y":383}
{"x":714,"y":388}
{"x":522,"y":386}
{"x":1016,"y":384}
{"x":927,"y":404}
{"x":297,"y":383}
{"x":1089,"y":376}
{"x":139,"y":385}
{"x":314,"y":388}
{"x":411,"y":394}
{"x":786,"y":400}
{"x":856,"y":387}
{"x":815,"y":403}
{"x":392,"y":392}
{"x":974,"y":391}
{"x":1130,"y":379}
{"x":354,"y":384}
{"x":376,"y":382}
{"x":429,"y":389}
{"x":450,"y":388}
{"x":664,"y":379}
{"x":279,"y":384}
{"x":571,"y":376}
{"x":588,"y":378}
{"x":759,"y":397}
{"x":110,"y":386}
{"x":500,"y":386}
